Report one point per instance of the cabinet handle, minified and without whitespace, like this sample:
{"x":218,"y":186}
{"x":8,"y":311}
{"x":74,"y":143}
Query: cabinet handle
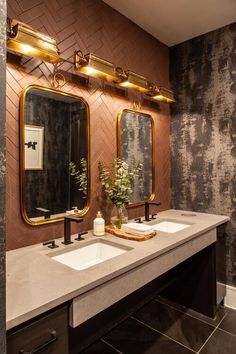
{"x":53,"y":338}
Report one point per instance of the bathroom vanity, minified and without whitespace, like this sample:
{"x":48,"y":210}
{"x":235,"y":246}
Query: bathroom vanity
{"x":41,"y":287}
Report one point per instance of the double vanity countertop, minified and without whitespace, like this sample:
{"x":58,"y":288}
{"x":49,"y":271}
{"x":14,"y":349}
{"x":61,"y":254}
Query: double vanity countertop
{"x":37,"y":283}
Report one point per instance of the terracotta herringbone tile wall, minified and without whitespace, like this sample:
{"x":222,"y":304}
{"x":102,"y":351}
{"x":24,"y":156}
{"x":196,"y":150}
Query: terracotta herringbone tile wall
{"x":94,"y":27}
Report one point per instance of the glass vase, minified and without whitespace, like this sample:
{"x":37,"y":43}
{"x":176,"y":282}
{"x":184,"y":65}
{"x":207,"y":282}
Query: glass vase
{"x":119,"y":216}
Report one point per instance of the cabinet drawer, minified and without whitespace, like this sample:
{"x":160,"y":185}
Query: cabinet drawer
{"x":47,"y":335}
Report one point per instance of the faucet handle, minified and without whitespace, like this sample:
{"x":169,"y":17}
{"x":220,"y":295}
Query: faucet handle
{"x":51,"y":244}
{"x":153,"y":216}
{"x":79,"y":238}
{"x":138,"y":220}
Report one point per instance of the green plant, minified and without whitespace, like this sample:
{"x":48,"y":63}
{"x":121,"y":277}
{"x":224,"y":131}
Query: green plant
{"x":80,"y":175}
{"x":118,"y":181}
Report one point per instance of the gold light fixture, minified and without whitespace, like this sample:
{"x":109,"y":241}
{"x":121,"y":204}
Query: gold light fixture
{"x":160,"y":93}
{"x":23,"y":39}
{"x":132,"y":80}
{"x":92,"y":65}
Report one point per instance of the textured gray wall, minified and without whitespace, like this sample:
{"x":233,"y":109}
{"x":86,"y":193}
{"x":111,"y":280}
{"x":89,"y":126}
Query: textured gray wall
{"x":203,"y":129}
{"x":3,"y":12}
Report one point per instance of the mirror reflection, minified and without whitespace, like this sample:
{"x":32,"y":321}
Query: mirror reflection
{"x":135,"y":144}
{"x":54,"y":154}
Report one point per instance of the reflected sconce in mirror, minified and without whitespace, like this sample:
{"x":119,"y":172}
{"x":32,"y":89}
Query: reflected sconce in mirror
{"x":92,"y":65}
{"x":23,"y":39}
{"x":160,"y":93}
{"x":129,"y":79}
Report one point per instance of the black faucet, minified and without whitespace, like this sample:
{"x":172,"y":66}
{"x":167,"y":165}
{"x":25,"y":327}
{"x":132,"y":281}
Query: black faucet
{"x":67,"y":228}
{"x":147,"y":209}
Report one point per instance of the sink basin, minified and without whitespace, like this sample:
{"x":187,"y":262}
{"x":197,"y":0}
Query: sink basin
{"x":90,"y":254}
{"x":170,"y":226}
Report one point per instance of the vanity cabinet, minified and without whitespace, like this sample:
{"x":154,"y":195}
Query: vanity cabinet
{"x":47,"y":334}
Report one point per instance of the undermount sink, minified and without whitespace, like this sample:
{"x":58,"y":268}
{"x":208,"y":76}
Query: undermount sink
{"x":90,"y":254}
{"x":170,"y":226}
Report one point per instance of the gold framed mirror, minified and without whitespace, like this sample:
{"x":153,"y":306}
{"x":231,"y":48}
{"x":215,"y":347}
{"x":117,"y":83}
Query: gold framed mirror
{"x":135,"y":143}
{"x":54,"y":132}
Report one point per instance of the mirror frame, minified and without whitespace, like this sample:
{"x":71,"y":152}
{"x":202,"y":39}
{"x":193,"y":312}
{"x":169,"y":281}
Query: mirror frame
{"x":22,"y":156}
{"x":152,"y":195}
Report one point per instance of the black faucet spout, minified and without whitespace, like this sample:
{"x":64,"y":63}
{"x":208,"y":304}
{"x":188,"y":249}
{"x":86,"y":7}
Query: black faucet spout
{"x":67,"y":228}
{"x":147,"y":209}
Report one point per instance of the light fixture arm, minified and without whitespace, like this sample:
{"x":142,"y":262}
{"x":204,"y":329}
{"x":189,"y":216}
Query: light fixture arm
{"x":121,"y":74}
{"x":58,"y":79}
{"x":153,"y":89}
{"x":79,"y":59}
{"x":10,"y":32}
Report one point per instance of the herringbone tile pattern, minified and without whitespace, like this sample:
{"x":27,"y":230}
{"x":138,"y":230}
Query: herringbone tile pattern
{"x":94,"y":27}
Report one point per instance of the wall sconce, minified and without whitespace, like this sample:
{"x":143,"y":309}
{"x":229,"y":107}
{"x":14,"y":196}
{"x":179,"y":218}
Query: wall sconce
{"x":24,"y":39}
{"x":160,"y":93}
{"x":92,"y":65}
{"x":132,"y":80}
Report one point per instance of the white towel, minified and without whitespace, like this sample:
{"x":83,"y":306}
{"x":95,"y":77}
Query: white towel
{"x":137,"y":229}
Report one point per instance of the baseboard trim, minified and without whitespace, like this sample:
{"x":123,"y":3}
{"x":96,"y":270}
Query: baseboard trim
{"x":230,"y":299}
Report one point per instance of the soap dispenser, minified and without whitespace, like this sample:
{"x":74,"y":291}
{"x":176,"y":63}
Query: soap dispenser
{"x":99,"y":225}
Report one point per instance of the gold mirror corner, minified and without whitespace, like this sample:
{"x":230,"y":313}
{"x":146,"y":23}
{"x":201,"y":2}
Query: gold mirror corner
{"x":54,"y":131}
{"x":136,"y":143}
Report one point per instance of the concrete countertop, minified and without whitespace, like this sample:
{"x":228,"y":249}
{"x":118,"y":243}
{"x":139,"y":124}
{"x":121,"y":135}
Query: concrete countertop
{"x":37,"y":283}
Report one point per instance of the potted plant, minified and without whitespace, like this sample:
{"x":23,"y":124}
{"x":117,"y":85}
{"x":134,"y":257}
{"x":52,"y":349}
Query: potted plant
{"x":117,"y":183}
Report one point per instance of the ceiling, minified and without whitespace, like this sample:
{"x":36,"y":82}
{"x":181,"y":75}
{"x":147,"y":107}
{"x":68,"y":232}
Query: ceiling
{"x":175,"y":21}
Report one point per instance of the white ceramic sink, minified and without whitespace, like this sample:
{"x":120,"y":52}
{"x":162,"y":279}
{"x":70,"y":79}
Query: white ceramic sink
{"x":170,"y":226}
{"x":88,"y":255}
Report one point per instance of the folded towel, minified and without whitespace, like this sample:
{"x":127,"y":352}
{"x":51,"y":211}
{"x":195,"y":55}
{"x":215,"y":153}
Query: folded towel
{"x":137,"y":229}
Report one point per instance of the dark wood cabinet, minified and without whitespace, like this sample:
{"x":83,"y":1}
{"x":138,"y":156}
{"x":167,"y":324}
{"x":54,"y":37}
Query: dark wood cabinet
{"x":47,"y":334}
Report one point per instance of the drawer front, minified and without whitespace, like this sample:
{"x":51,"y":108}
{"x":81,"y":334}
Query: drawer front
{"x":47,"y":335}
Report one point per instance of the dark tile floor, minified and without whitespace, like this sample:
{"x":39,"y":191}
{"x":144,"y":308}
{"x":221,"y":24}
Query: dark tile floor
{"x":162,"y":327}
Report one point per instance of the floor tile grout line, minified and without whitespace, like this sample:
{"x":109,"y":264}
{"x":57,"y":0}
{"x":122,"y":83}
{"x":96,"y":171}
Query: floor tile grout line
{"x":111,"y":346}
{"x":220,"y":329}
{"x":185,"y":313}
{"x":207,"y":339}
{"x":222,"y":319}
{"x":165,"y":335}
{"x":223,"y":330}
{"x":215,"y":327}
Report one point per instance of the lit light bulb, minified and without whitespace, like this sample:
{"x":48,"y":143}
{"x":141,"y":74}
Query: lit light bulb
{"x":26,"y":49}
{"x":125,"y":84}
{"x":91,"y":71}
